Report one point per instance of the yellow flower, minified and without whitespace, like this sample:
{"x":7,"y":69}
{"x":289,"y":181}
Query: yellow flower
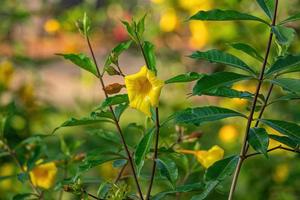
{"x":207,"y":158}
{"x":6,"y":169}
{"x":44,"y":175}
{"x":194,"y":6}
{"x":168,"y":20}
{"x":199,"y":34}
{"x":51,"y":26}
{"x":143,"y":90}
{"x":281,"y":173}
{"x":6,"y":72}
{"x":228,"y":133}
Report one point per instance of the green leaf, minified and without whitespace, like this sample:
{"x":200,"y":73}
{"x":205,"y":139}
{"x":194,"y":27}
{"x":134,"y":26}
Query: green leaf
{"x":290,"y":84}
{"x":284,"y":35}
{"x":291,"y":18}
{"x":141,"y":26}
{"x":246,"y":48}
{"x":167,"y":169}
{"x":23,"y":196}
{"x":120,"y":109}
{"x":150,"y":56}
{"x":286,"y":140}
{"x":286,"y":128}
{"x":287,"y":97}
{"x":23,"y":177}
{"x":179,"y":189}
{"x":284,"y":63}
{"x":187,"y":77}
{"x":259,"y":140}
{"x":208,"y":188}
{"x":81,"y":61}
{"x":200,"y":115}
{"x":224,"y":15}
{"x":216,"y":80}
{"x":130,"y":30}
{"x":79,"y":122}
{"x":267,"y":6}
{"x":121,"y":47}
{"x":114,"y":100}
{"x":217,"y":56}
{"x":230,"y":93}
{"x":221,"y":169}
{"x":142,"y":150}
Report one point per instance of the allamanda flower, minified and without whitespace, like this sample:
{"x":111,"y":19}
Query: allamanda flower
{"x":143,"y":90}
{"x":44,"y":175}
{"x":206,"y":158}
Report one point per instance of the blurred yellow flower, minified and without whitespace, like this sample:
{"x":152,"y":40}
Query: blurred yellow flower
{"x":6,"y":169}
{"x":199,"y":34}
{"x":27,"y":93}
{"x":281,"y":173}
{"x":194,"y":6}
{"x":143,"y":90}
{"x":107,"y":171}
{"x":6,"y":72}
{"x":228,"y":134}
{"x":206,"y":158}
{"x":168,"y":20}
{"x":51,"y":26}
{"x":44,"y":175}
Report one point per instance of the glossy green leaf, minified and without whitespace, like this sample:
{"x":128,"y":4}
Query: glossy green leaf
{"x":229,"y":93}
{"x":142,"y":150}
{"x":81,"y":61}
{"x":120,"y":109}
{"x":217,"y":56}
{"x":121,"y":47}
{"x":290,"y":84}
{"x":167,"y":169}
{"x":286,"y":140}
{"x":268,"y":7}
{"x":208,"y":188}
{"x":249,"y":50}
{"x":82,"y":121}
{"x":287,"y":97}
{"x":284,"y":63}
{"x":114,"y":100}
{"x":221,"y":169}
{"x":187,"y":77}
{"x":291,"y":18}
{"x":284,"y":35}
{"x":140,"y":28}
{"x":178,"y":189}
{"x":130,"y":30}
{"x":286,"y":128}
{"x":200,"y":115}
{"x":150,"y":56}
{"x":224,"y":15}
{"x":259,"y":140}
{"x":216,"y":80}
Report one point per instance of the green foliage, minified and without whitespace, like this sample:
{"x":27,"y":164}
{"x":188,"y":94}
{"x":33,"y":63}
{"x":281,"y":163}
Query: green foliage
{"x":114,"y":100}
{"x":224,"y":15}
{"x":217,"y":80}
{"x":217,"y":56}
{"x":149,"y":54}
{"x":284,"y":35}
{"x":81,"y":61}
{"x":259,"y":140}
{"x":246,"y":48}
{"x":229,"y":93}
{"x":290,"y":84}
{"x":284,"y":64}
{"x":291,"y":18}
{"x":167,"y":168}
{"x":286,"y":140}
{"x":200,"y":115}
{"x":268,"y":7}
{"x":187,"y":77}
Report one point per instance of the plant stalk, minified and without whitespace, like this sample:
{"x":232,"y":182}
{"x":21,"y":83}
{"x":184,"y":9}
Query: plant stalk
{"x":116,"y":122}
{"x":244,"y":148}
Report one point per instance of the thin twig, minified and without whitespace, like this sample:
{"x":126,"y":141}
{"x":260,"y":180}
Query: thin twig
{"x":273,"y":149}
{"x":120,"y":173}
{"x":250,"y":118}
{"x":116,"y":122}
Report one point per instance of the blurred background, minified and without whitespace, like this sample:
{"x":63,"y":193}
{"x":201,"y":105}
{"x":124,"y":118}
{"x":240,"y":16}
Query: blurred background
{"x":43,"y":90}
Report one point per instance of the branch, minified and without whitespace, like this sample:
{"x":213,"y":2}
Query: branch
{"x":273,"y":149}
{"x":116,"y":121}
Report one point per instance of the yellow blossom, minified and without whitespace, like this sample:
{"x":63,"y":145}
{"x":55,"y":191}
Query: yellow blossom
{"x":195,"y":5}
{"x":143,"y":90}
{"x":6,"y":169}
{"x":168,"y":20}
{"x":51,"y":26}
{"x":207,"y":158}
{"x":6,"y":72}
{"x":44,"y":175}
{"x":281,"y":173}
{"x":228,"y":133}
{"x":199,"y":34}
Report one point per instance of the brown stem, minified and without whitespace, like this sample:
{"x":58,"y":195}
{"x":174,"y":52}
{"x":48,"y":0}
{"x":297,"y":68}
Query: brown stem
{"x":119,"y":68}
{"x":244,"y":148}
{"x":120,"y":173}
{"x":155,"y":153}
{"x":273,"y":149}
{"x":116,"y":122}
